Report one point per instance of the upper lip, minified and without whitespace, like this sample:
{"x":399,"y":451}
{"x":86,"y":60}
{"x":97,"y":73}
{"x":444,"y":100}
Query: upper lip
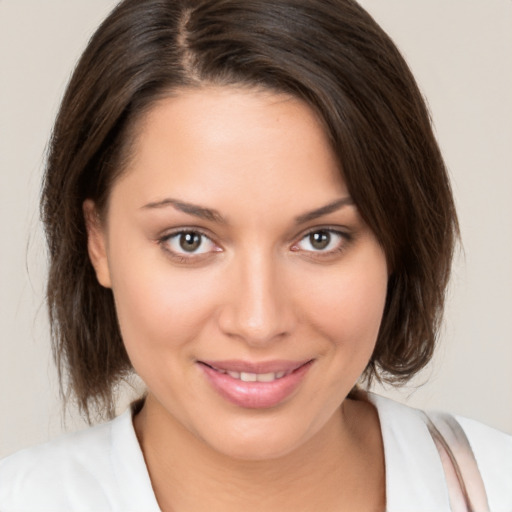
{"x":237,"y":365}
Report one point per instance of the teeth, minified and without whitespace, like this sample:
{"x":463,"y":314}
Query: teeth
{"x":256,"y":377}
{"x":248,"y":377}
{"x":266,"y":377}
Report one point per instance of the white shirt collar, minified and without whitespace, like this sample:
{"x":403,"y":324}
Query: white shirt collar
{"x":414,"y":473}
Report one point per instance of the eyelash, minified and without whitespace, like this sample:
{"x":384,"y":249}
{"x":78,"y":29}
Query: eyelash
{"x":184,"y":257}
{"x":344,"y":239}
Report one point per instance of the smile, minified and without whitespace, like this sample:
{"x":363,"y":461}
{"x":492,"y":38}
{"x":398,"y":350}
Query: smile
{"x":255,"y":385}
{"x":255,"y":377}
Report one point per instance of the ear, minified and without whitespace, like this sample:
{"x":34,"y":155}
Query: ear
{"x":96,"y":243}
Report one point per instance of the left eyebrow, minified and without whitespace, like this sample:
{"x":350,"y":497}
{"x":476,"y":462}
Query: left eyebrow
{"x":324,"y":210}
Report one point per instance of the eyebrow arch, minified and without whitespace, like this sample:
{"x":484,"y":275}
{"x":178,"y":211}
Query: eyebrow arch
{"x":324,"y":210}
{"x":213,"y":215}
{"x":191,"y":209}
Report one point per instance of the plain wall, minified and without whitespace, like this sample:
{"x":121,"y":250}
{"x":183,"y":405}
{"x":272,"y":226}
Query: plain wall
{"x":461,"y":54}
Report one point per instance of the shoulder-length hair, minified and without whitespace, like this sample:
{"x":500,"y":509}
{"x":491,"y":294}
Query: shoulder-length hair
{"x":328,"y":53}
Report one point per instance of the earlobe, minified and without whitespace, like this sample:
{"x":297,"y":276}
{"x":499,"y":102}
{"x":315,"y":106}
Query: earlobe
{"x":96,"y":243}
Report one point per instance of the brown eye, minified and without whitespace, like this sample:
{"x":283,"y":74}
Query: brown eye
{"x":320,"y":240}
{"x":190,"y":241}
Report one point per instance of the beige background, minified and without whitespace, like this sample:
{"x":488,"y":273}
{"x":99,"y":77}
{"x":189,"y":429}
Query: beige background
{"x":461,"y":53}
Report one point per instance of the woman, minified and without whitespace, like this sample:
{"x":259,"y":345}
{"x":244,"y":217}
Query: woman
{"x":246,"y":206}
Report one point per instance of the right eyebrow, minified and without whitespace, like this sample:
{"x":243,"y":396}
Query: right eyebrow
{"x":192,"y":209}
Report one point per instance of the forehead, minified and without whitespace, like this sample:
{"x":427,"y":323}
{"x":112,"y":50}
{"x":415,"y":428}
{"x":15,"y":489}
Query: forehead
{"x":214,"y":144}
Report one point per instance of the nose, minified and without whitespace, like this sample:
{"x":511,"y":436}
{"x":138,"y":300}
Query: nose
{"x":258,"y":308}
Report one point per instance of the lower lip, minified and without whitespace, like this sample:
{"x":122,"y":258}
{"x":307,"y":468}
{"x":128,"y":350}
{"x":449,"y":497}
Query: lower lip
{"x":255,"y":395}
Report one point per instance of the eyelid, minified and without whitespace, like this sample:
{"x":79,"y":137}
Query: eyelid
{"x":344,"y":234}
{"x":346,"y":237}
{"x":340,"y":230}
{"x":168,"y":233}
{"x":184,"y":257}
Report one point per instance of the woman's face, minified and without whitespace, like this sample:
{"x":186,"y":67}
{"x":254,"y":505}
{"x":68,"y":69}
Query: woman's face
{"x":248,"y":289}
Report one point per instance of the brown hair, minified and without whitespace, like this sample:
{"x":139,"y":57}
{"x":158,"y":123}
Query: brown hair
{"x":329,"y":53}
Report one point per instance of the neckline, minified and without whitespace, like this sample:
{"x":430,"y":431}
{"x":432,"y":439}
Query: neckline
{"x":414,"y":474}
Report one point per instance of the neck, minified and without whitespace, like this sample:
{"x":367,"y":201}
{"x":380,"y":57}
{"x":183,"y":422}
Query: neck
{"x":333,"y":470}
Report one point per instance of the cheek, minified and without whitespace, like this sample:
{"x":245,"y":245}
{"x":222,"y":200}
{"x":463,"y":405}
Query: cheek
{"x":361,"y":304}
{"x":347,"y":305}
{"x":159,"y":308}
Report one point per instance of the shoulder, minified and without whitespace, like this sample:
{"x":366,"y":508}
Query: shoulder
{"x":52,"y":473}
{"x":411,"y":452}
{"x":493,"y":453}
{"x":79,"y":471}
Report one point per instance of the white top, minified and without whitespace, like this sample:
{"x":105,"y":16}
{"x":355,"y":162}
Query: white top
{"x":103,"y":469}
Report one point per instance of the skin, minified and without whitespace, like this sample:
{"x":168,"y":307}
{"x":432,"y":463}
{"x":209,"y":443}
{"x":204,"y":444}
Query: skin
{"x":256,"y":289}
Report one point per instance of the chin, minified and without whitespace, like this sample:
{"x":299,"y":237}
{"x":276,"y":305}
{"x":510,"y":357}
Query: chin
{"x":257,"y":447}
{"x":259,"y":439}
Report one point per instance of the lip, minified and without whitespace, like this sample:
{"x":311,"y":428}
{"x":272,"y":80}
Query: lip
{"x":255,"y":395}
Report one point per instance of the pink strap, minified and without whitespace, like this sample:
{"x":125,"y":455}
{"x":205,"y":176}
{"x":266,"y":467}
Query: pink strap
{"x":465,"y":486}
